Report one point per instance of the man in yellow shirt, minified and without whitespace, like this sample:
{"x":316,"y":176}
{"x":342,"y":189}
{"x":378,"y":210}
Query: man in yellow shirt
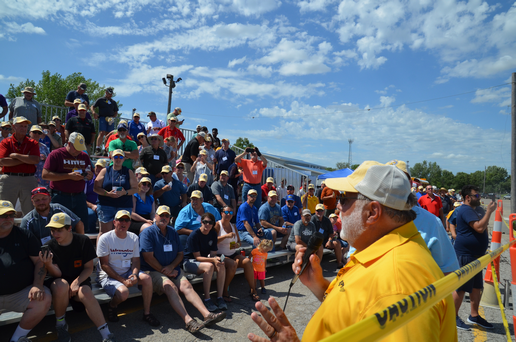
{"x":391,"y":262}
{"x":309,"y":199}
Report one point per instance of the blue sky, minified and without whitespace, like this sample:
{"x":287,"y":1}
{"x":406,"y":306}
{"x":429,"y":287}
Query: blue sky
{"x":298,"y":78}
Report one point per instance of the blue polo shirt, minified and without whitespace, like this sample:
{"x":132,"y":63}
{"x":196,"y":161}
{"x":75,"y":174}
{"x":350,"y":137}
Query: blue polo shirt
{"x":270,"y":214}
{"x":469,"y":241}
{"x":249,"y":214}
{"x":189,"y":219}
{"x":171,"y":198}
{"x":72,"y":95}
{"x":224,"y":159}
{"x":134,"y":129}
{"x":152,"y":240}
{"x":291,"y":216}
{"x":297,"y":201}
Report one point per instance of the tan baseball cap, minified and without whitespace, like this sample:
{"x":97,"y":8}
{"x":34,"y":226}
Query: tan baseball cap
{"x":319,"y":207}
{"x":166,"y":169}
{"x":122,"y":213}
{"x":6,"y":207}
{"x":118,"y":152}
{"x":36,"y":128}
{"x":163,"y":209}
{"x":77,"y":140}
{"x":272,"y":193}
{"x":196,"y":194}
{"x":270,"y":180}
{"x":142,"y":171}
{"x":203,"y":177}
{"x":21,"y":119}
{"x":252,"y":191}
{"x":59,"y":220}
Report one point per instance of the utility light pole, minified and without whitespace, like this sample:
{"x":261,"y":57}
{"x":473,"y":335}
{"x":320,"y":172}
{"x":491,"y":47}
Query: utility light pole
{"x":171,"y":85}
{"x":513,"y":143}
{"x":350,"y":159}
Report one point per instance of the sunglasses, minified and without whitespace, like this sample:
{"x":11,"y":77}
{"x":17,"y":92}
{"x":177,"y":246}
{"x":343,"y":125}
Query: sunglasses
{"x":164,"y":215}
{"x":208,"y":222}
{"x":122,"y":130}
{"x":38,"y":133}
{"x":152,"y":139}
{"x":6,"y":129}
{"x":476,"y":195}
{"x":146,"y":184}
{"x":228,"y":212}
{"x":118,"y":157}
{"x":39,"y":191}
{"x":253,"y":196}
{"x":180,"y":168}
{"x":165,"y":173}
{"x":9,"y":216}
{"x":124,"y":219}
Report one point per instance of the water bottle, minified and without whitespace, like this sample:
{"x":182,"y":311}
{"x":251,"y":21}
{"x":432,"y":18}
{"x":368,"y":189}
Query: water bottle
{"x":88,"y":169}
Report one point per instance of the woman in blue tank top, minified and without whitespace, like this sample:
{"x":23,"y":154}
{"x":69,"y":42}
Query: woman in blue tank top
{"x":115,"y":186}
{"x":143,"y":207}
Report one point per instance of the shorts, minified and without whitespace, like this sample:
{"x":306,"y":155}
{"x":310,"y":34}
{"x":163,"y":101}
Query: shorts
{"x":477,"y":282}
{"x":159,"y":278}
{"x":104,"y":126}
{"x":109,"y":285}
{"x":259,"y":275}
{"x":107,"y":213}
{"x":18,"y":301}
{"x":191,"y":266}
{"x":77,"y":305}
{"x":278,"y":234}
{"x":232,"y":256}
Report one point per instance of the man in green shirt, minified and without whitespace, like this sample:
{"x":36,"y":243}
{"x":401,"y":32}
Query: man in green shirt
{"x":128,"y":146}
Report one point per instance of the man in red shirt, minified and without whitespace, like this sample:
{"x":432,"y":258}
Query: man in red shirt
{"x":253,"y":169}
{"x":432,"y":203}
{"x":18,"y":156}
{"x":172,"y":131}
{"x":268,"y":186}
{"x":329,"y":198}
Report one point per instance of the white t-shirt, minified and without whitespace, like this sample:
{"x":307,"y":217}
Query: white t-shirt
{"x":224,"y":246}
{"x":120,"y":251}
{"x":155,"y":126}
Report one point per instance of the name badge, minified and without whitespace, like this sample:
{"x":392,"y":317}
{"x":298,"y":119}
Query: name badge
{"x":321,"y":231}
{"x":167,"y":248}
{"x":109,"y":102}
{"x":255,"y":172}
{"x":295,"y":213}
{"x":226,"y":197}
{"x":224,"y":158}
{"x":198,"y":219}
{"x":156,"y":157}
{"x":33,"y":105}
{"x":45,"y":239}
{"x":126,"y":263}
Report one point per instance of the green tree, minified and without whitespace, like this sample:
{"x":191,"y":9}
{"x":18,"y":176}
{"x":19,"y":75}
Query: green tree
{"x":447,"y":179}
{"x":496,"y":178}
{"x":243,"y":143}
{"x":428,"y":170}
{"x":461,"y":179}
{"x":52,"y":89}
{"x":342,"y":165}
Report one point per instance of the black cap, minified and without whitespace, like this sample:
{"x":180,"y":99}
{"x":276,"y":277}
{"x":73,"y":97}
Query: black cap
{"x":109,"y":90}
{"x":83,"y":86}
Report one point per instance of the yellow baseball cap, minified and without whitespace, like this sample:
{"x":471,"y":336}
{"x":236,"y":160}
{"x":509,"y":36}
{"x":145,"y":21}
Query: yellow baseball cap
{"x":142,"y":170}
{"x":272,"y":193}
{"x":311,"y":186}
{"x":101,"y":162}
{"x":224,"y":172}
{"x":118,"y":152}
{"x":21,"y":119}
{"x":166,"y":169}
{"x":270,"y":180}
{"x":319,"y":207}
{"x":36,"y":128}
{"x":203,"y":177}
{"x":196,"y":194}
{"x":252,"y":191}
{"x":77,"y":140}
{"x":59,"y":220}
{"x":163,"y":209}
{"x":5,"y":207}
{"x":122,"y":213}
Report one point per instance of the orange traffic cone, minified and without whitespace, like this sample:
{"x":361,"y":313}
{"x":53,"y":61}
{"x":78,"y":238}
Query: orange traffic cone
{"x":489,"y":294}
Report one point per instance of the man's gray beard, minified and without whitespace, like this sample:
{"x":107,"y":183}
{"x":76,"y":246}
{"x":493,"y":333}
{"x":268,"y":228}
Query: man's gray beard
{"x":122,"y":136}
{"x":352,"y":225}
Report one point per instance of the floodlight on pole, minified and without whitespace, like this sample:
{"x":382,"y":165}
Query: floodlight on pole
{"x":171,"y":85}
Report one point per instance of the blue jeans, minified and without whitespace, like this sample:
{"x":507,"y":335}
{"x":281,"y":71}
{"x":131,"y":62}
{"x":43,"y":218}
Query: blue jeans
{"x":267,"y":234}
{"x":107,"y":213}
{"x":76,"y":204}
{"x":92,"y":222}
{"x":258,"y":189}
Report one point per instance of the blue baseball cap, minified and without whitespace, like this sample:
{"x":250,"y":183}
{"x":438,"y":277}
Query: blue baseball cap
{"x":290,"y":198}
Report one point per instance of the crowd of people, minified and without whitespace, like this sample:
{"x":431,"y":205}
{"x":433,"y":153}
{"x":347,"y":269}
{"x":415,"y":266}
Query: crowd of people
{"x":160,"y":215}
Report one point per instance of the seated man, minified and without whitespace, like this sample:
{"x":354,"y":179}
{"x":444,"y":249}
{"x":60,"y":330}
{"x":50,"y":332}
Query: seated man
{"x":324,"y":225}
{"x":248,"y":224}
{"x":189,"y":218}
{"x":37,"y":219}
{"x":201,"y":258}
{"x":70,"y":265}
{"x":20,"y":263}
{"x":270,"y":217}
{"x":301,"y":233}
{"x":290,"y":212}
{"x":170,"y":192}
{"x":202,"y":186}
{"x":162,"y":254}
{"x":119,"y":256}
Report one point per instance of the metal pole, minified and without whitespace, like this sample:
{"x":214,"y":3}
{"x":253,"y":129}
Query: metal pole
{"x":513,"y":143}
{"x":485,"y":170}
{"x":169,"y":95}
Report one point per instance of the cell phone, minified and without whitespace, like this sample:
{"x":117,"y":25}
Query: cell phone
{"x":45,"y":249}
{"x":222,"y":257}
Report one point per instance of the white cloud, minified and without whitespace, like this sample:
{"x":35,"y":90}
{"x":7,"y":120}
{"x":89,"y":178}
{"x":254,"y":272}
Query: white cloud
{"x":381,"y":135}
{"x":501,"y":96}
{"x":29,"y":28}
{"x":236,"y":61}
{"x":312,"y":5}
{"x":11,"y":79}
{"x":254,"y":7}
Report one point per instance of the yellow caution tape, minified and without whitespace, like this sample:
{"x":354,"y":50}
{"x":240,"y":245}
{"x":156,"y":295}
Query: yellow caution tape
{"x":390,"y":319}
{"x":499,"y":296}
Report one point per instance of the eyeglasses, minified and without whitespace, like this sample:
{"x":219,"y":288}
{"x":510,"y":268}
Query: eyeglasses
{"x":475,"y":195}
{"x":152,"y":139}
{"x":6,"y":128}
{"x":208,"y":222}
{"x":180,"y":168}
{"x":10,"y":216}
{"x":164,"y":215}
{"x":124,"y":219}
{"x":146,"y":184}
{"x":118,"y":157}
{"x":228,"y":212}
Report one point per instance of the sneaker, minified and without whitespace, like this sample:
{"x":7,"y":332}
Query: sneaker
{"x":62,"y":333}
{"x":210,"y":306}
{"x":264,"y":290}
{"x":112,"y":315}
{"x":110,"y":338}
{"x":480,"y":321}
{"x":221,"y":304}
{"x":461,"y":325}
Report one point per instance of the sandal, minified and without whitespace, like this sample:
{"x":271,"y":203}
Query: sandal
{"x":193,"y":326}
{"x":213,"y":318}
{"x":254,"y":297}
{"x":112,"y":314}
{"x":227,"y":299}
{"x":153,"y":321}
